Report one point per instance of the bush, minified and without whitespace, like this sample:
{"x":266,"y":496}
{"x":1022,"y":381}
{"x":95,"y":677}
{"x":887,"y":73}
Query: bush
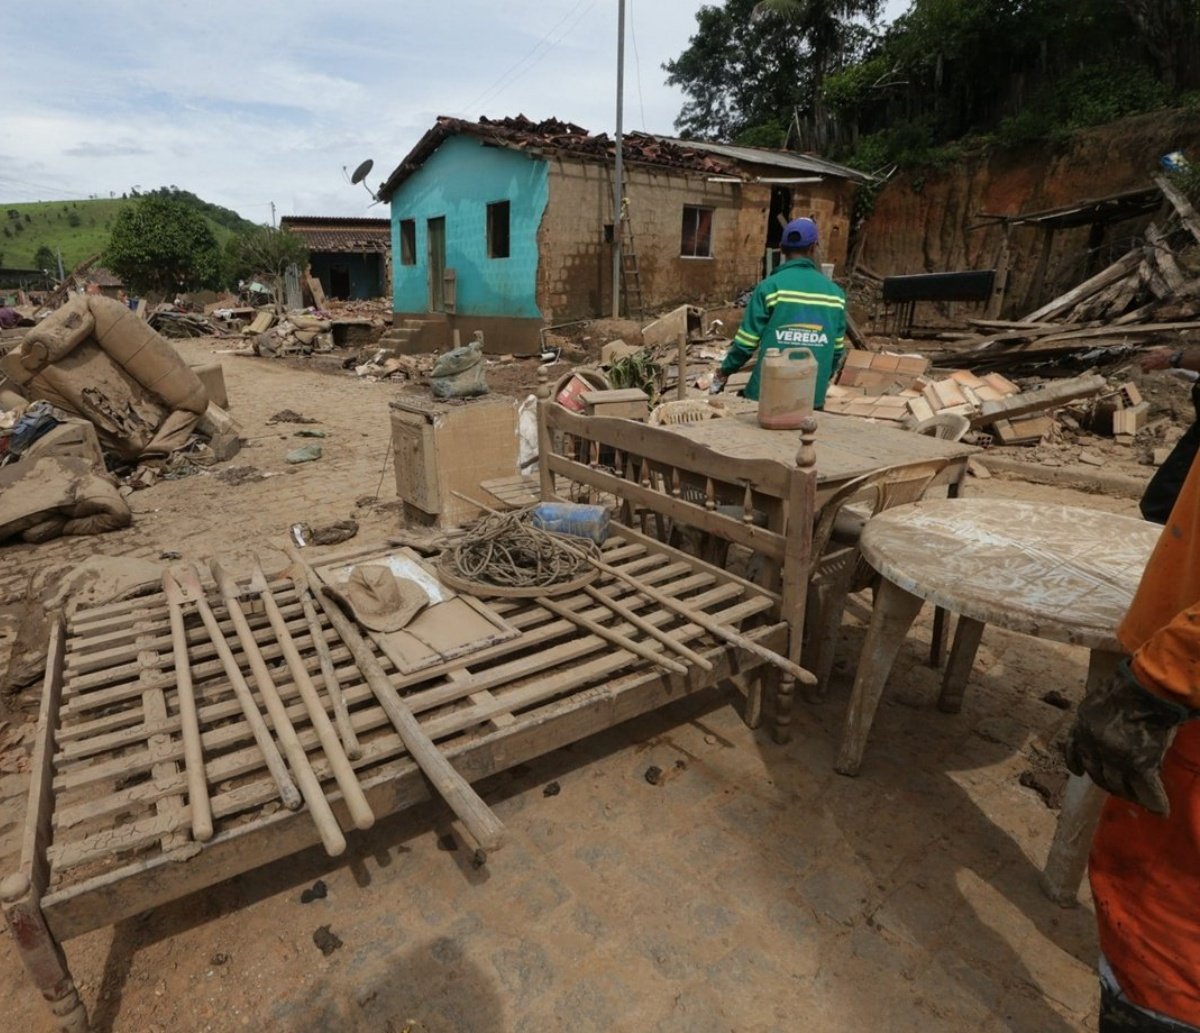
{"x":769,"y":134}
{"x":1029,"y":126}
{"x":1101,"y":93}
{"x":907,"y":144}
{"x":74,"y":219}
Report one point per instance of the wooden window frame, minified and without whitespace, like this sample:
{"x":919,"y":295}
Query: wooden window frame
{"x":499,"y":244}
{"x":696,"y":229}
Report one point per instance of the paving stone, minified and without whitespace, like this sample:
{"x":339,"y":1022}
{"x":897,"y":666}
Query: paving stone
{"x":665,"y":953}
{"x":540,"y":894}
{"x":837,"y":894}
{"x":693,"y":1013}
{"x":588,"y":922}
{"x":795,"y":922}
{"x":595,"y":1004}
{"x":525,"y":971}
{"x":601,"y":857}
{"x":710,"y":918}
{"x":917,"y":916}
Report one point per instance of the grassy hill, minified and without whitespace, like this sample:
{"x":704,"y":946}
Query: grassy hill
{"x":80,"y":228}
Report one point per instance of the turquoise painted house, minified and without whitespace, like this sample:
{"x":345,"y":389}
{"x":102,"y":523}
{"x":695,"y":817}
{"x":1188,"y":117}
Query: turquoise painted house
{"x":506,"y":226}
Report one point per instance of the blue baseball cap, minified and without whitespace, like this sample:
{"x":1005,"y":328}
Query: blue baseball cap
{"x":799,"y":233}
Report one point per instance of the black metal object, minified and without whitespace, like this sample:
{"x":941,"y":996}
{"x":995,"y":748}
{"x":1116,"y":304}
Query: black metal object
{"x":905,"y":291}
{"x":965,"y":286}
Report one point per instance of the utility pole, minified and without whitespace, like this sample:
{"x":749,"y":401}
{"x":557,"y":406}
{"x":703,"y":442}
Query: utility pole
{"x":272,"y":215}
{"x":618,"y":186}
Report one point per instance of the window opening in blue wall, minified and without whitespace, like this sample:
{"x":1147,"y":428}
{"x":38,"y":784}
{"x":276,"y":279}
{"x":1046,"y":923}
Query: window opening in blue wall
{"x":408,"y":241}
{"x":497,"y":229}
{"x":696,"y":239}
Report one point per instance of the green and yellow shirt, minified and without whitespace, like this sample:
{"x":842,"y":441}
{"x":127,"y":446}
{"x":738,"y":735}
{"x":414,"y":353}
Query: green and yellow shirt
{"x":794,"y":307}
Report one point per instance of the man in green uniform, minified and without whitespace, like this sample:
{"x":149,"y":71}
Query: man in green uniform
{"x":794,"y":307}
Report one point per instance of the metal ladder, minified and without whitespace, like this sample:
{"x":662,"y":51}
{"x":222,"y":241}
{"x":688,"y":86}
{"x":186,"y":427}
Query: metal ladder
{"x":631,"y":276}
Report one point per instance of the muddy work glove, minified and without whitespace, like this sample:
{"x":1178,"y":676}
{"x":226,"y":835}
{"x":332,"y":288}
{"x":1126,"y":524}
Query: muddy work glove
{"x":1120,"y":735}
{"x":719,"y":380}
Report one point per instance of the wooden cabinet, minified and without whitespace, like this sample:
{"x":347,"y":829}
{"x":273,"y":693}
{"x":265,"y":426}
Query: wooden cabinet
{"x":445,"y":447}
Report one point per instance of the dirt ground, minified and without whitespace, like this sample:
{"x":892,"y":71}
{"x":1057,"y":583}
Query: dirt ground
{"x":750,"y":890}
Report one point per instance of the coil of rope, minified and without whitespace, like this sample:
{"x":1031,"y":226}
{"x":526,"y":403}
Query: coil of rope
{"x":504,"y":554}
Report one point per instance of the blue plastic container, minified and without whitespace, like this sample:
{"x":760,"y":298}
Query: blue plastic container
{"x":572,"y":518}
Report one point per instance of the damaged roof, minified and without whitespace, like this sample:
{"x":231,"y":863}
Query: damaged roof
{"x":329,"y":233}
{"x":552,"y":136}
{"x":102,"y":277}
{"x":792,"y":161}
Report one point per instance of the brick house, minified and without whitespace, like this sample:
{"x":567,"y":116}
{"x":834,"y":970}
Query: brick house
{"x":348,"y":256}
{"x":505,"y":226}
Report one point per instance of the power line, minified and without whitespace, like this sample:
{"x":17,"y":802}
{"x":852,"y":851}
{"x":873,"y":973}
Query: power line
{"x":637,"y":66}
{"x":43,"y":188}
{"x":493,"y":94}
{"x":466,"y":108}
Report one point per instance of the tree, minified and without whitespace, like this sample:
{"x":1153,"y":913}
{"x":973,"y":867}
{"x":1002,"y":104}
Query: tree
{"x":738,"y":73}
{"x":829,"y":33}
{"x":267,"y":253}
{"x":160,"y":246}
{"x":753,"y":64}
{"x":44,"y":259}
{"x":1170,"y":32}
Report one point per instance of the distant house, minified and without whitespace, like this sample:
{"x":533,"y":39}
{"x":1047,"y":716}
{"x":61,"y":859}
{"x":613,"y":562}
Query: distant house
{"x":506,"y":226}
{"x":103,"y":281}
{"x":25,"y":279}
{"x":348,"y":256}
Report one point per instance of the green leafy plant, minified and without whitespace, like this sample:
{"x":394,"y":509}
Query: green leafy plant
{"x":637,"y":370}
{"x":162,"y":246}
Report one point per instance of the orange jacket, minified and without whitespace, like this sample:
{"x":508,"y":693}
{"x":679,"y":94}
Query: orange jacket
{"x":1145,"y":870}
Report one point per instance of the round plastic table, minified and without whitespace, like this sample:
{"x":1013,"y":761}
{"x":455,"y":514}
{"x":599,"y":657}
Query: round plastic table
{"x":1054,"y":572}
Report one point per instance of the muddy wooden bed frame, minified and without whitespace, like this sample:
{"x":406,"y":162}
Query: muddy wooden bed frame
{"x":107,"y":832}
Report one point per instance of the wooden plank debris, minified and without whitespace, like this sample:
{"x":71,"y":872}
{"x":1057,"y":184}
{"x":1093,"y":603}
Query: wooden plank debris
{"x":1050,"y":396}
{"x":1119,"y":269}
{"x":1183,"y":207}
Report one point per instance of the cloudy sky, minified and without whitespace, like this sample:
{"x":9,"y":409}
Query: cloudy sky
{"x":249,"y":103}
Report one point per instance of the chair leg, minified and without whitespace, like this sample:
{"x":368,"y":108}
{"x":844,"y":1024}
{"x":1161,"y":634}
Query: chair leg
{"x":41,"y":954}
{"x":894,"y":612}
{"x":958,"y":669}
{"x":827,"y":625}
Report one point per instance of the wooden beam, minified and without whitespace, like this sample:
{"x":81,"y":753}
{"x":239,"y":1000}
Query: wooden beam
{"x":1163,"y":259}
{"x":1050,"y":397}
{"x":1183,"y":207}
{"x":1121,"y":267}
{"x":39,"y":813}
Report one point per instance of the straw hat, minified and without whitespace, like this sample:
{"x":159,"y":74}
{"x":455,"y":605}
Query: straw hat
{"x":379,"y":600}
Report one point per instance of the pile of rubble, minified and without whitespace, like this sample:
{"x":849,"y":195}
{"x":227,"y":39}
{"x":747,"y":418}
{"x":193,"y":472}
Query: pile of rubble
{"x":904,"y":389}
{"x":1150,"y":295}
{"x":350,"y":325}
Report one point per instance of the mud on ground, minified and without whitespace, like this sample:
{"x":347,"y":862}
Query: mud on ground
{"x":750,"y":889}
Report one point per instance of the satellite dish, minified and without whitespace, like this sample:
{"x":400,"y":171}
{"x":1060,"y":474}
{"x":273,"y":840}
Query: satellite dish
{"x":361,"y":172}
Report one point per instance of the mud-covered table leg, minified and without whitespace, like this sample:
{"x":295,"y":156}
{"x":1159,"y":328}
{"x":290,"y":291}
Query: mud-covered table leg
{"x":894,"y":612}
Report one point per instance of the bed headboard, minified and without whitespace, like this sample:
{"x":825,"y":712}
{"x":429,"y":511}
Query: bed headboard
{"x":653,"y":472}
